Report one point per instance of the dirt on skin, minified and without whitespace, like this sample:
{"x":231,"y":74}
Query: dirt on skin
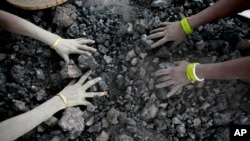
{"x":133,"y":110}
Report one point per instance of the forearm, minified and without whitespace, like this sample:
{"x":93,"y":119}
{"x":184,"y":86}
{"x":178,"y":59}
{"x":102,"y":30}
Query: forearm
{"x":220,"y":9}
{"x":233,"y":69}
{"x":17,"y":126}
{"x":18,"y":25}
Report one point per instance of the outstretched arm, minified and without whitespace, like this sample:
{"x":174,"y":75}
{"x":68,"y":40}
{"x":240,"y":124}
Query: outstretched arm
{"x":64,"y":47}
{"x":21,"y":26}
{"x":220,"y":9}
{"x":13,"y":128}
{"x":173,"y":31}
{"x":72,"y":95}
{"x":177,"y":76}
{"x":233,"y":69}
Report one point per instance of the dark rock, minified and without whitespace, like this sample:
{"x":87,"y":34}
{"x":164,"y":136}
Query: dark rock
{"x":161,"y":3}
{"x":149,"y":111}
{"x":112,"y":116}
{"x":73,"y":30}
{"x":65,"y":15}
{"x":87,"y":62}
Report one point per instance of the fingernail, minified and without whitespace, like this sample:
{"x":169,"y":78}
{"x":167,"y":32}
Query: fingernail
{"x":99,"y":78}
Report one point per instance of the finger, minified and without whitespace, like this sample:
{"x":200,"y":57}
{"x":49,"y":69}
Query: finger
{"x":86,"y":103}
{"x":165,"y":84}
{"x":173,"y":91}
{"x":157,"y":30}
{"x":164,"y":78}
{"x":85,"y":41}
{"x":84,"y":77}
{"x":156,"y":35}
{"x":91,"y":83}
{"x":92,"y":94}
{"x":162,"y":72}
{"x":160,"y":42}
{"x":176,"y":43}
{"x":82,"y":52}
{"x":164,"y":24}
{"x":72,"y":82}
{"x":87,"y":48}
{"x":66,"y":58}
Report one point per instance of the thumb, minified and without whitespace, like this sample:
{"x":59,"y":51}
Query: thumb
{"x":66,"y":58}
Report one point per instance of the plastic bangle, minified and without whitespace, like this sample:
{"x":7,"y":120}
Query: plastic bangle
{"x":186,"y":27}
{"x":63,"y":99}
{"x":54,"y":45}
{"x":196,"y":77}
{"x":190,"y":72}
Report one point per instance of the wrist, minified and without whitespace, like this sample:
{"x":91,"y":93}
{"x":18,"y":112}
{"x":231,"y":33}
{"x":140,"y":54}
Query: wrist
{"x":58,"y":103}
{"x":191,"y":73}
{"x":186,"y":26}
{"x":199,"y":72}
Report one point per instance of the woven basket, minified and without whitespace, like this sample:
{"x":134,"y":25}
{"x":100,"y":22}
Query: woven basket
{"x":35,"y":4}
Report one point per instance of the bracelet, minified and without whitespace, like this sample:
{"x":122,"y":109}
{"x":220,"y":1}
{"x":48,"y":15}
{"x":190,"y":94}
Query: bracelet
{"x":63,"y":99}
{"x":54,"y":45}
{"x":196,"y":77}
{"x":186,"y":26}
{"x":191,"y":74}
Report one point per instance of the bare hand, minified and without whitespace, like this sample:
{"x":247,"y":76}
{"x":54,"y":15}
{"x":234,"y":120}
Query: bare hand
{"x":169,"y":31}
{"x":175,"y":76}
{"x":75,"y":93}
{"x":74,"y":46}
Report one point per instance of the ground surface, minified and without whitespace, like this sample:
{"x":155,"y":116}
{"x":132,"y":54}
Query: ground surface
{"x":134,"y":110}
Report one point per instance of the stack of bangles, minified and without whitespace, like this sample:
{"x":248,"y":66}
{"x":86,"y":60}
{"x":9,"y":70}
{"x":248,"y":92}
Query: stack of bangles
{"x":191,"y":74}
{"x":186,"y":26}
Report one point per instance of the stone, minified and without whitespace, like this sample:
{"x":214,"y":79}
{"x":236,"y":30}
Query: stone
{"x":112,"y":116}
{"x":196,"y":122}
{"x":52,"y":121}
{"x":65,"y":15}
{"x":131,"y":54}
{"x":149,"y":112}
{"x":134,"y":61}
{"x":72,"y":121}
{"x":87,"y":62}
{"x":161,"y":3}
{"x":163,"y":53}
{"x":70,"y":71}
{"x":20,"y":106}
{"x":125,"y":138}
{"x":181,"y":129}
{"x":176,"y":120}
{"x":73,"y":30}
{"x":41,"y":95}
{"x":107,"y":59}
{"x":104,"y":136}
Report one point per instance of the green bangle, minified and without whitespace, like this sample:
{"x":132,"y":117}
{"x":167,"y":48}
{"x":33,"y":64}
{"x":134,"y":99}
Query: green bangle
{"x":186,"y":27}
{"x":190,"y":72}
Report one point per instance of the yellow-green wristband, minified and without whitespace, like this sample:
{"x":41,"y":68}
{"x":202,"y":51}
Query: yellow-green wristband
{"x":186,"y":27}
{"x":191,"y":74}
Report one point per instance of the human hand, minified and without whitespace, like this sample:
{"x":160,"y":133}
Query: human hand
{"x":175,"y":76}
{"x":74,"y":46}
{"x":169,"y":31}
{"x":75,"y":93}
